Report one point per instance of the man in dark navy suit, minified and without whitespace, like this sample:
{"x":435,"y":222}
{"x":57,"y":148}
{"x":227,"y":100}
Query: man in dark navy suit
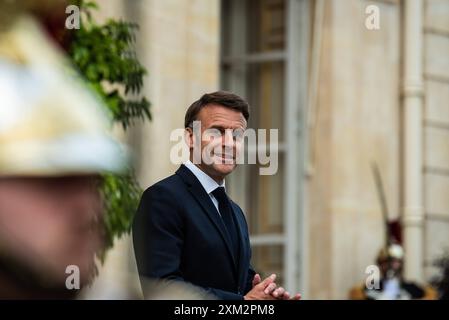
{"x":186,"y":227}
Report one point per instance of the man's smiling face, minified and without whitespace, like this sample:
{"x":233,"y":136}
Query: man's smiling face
{"x":221,"y":138}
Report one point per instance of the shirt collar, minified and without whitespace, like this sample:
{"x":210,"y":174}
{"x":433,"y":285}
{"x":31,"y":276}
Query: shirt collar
{"x":207,"y":182}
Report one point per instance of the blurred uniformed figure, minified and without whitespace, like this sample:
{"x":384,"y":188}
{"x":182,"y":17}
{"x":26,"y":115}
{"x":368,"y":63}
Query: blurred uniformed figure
{"x":54,"y":143}
{"x":390,"y":260}
{"x":392,"y":285}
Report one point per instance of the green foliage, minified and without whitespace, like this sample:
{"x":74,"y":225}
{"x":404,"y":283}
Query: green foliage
{"x":105,"y":56}
{"x":122,"y":195}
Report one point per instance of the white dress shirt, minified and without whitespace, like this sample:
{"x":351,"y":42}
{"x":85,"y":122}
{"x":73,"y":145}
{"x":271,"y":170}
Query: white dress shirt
{"x":207,"y":182}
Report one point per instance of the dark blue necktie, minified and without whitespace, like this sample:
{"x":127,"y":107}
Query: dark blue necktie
{"x":224,"y":205}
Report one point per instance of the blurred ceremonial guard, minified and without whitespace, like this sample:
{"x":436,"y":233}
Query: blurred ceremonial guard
{"x":54,"y":144}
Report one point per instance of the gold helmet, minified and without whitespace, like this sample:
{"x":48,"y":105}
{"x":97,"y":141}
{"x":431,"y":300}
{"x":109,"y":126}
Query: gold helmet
{"x":393,"y":251}
{"x":50,"y":122}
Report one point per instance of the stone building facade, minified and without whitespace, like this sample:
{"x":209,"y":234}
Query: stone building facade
{"x":342,"y":95}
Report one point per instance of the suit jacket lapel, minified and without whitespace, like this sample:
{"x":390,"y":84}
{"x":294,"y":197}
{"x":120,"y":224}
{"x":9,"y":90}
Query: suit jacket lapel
{"x":197,"y":190}
{"x":243,"y":248}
